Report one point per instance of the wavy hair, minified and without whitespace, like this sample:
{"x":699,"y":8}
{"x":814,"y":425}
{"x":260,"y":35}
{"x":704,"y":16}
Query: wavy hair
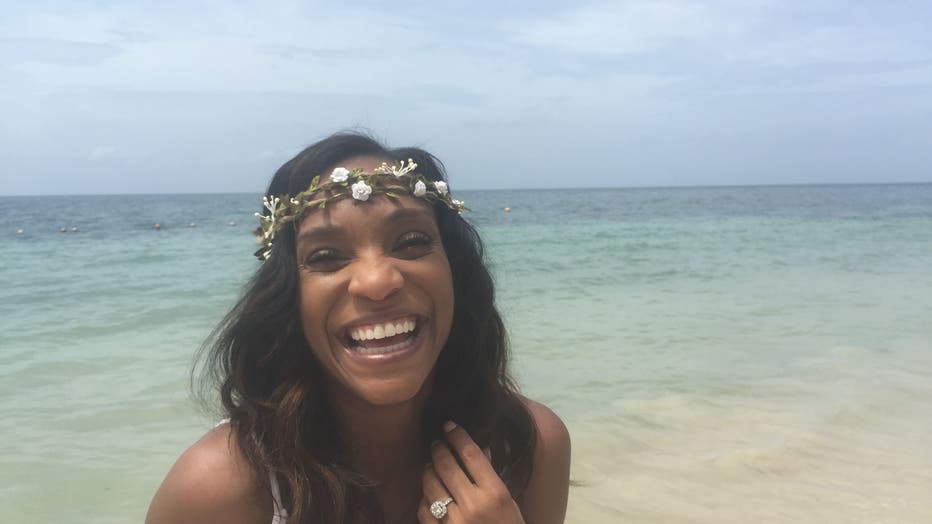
{"x":272,"y":388}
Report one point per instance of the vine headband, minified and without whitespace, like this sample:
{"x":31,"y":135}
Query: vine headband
{"x":389,"y":180}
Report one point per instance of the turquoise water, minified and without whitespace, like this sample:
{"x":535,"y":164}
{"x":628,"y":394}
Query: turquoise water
{"x":719,"y":354}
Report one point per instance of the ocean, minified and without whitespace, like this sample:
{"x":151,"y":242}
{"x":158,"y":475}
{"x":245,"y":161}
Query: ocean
{"x":720,"y":355}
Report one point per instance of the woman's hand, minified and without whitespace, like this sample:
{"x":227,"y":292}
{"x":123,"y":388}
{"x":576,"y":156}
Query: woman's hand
{"x":484,"y":499}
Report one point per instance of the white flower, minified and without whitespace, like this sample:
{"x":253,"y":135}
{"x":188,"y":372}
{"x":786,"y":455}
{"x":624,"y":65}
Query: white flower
{"x":441,"y":187}
{"x":271,"y":204}
{"x":361,"y":191}
{"x":419,"y":189}
{"x":339,"y":174}
{"x":401,"y":169}
{"x":269,"y":221}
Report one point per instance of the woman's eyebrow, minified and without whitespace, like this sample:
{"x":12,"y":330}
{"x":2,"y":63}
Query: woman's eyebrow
{"x":408,"y":212}
{"x":321,"y":231}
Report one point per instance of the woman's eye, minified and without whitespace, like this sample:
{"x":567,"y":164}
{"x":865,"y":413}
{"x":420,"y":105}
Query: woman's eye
{"x":324,"y":260}
{"x":414,"y":244}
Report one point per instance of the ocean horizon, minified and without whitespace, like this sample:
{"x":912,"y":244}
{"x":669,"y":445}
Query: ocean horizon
{"x":720,"y":354}
{"x":489,"y":189}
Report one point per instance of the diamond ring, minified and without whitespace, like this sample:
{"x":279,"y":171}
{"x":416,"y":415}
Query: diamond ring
{"x":438,"y":508}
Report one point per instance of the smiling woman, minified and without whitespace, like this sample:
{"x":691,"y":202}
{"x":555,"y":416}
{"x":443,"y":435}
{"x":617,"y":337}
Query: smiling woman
{"x":367,"y":345}
{"x":383,"y":269}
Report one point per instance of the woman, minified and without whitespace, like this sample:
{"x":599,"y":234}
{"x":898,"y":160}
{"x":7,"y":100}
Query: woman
{"x":364,"y":369}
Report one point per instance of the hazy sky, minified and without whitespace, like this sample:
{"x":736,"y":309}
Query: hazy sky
{"x":187,"y":96}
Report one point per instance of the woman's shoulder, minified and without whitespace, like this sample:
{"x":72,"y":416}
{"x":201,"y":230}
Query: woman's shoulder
{"x":211,"y":482}
{"x":545,"y":497}
{"x":550,"y":428}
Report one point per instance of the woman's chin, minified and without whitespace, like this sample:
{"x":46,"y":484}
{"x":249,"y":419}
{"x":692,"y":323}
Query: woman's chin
{"x":392,"y":391}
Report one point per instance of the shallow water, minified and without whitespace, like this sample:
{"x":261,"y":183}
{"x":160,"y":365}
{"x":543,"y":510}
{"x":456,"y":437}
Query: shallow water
{"x":719,"y":354}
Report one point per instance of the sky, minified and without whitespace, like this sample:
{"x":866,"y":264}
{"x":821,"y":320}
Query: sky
{"x":190,"y":96}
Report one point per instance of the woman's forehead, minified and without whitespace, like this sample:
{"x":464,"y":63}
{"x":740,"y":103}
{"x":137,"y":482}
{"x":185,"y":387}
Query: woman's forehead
{"x":379,"y":209}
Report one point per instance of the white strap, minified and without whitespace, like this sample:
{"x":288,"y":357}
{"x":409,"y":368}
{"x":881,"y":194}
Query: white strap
{"x":279,"y":513}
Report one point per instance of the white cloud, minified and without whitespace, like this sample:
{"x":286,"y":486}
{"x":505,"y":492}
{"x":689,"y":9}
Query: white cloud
{"x":292,"y":48}
{"x":627,"y":27}
{"x":104,"y":152}
{"x":830,"y":44}
{"x":278,"y":155}
{"x":835,"y":82}
{"x":226,"y":48}
{"x":754,"y":33}
{"x":227,"y":87}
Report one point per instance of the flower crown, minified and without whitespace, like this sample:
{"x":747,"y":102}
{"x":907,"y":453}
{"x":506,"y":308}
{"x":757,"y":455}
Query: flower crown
{"x":389,"y":180}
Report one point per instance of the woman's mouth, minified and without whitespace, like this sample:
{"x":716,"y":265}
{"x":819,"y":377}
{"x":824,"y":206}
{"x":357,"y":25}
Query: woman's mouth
{"x":383,"y":337}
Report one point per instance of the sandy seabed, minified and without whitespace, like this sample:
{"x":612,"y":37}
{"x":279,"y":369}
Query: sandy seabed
{"x":820,"y":453}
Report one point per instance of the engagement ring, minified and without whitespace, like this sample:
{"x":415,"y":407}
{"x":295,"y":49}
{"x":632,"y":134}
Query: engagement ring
{"x":439,"y":508}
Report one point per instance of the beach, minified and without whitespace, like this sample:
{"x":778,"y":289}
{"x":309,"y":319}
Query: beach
{"x":721,"y":354}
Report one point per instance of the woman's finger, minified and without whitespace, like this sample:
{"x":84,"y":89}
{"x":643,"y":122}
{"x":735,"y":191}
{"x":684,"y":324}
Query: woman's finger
{"x":424,"y":516}
{"x":434,"y":490}
{"x":450,"y":472}
{"x":423,"y":513}
{"x":432,"y":486}
{"x":474,"y":459}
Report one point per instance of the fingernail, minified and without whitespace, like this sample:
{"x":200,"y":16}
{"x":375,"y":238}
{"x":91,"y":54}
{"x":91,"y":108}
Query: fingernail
{"x":429,"y":464}
{"x":434,"y":443}
{"x":449,"y":426}
{"x":488,"y":453}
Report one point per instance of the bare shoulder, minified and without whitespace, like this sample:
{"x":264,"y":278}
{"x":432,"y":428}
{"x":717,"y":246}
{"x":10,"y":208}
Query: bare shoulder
{"x":550,"y":429}
{"x":544,"y":500}
{"x":211,"y":482}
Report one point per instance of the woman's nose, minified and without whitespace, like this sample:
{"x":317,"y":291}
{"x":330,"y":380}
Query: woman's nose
{"x":375,"y":278}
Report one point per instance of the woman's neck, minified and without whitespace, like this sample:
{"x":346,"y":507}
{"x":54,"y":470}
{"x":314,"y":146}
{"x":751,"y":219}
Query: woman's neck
{"x":379,"y":442}
{"x":382,"y":442}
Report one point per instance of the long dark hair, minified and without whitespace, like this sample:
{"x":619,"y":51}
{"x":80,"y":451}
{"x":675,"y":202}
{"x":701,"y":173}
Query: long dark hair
{"x":271,"y":387}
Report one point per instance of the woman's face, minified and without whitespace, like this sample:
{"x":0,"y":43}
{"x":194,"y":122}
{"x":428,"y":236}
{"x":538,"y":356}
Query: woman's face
{"x":376,"y":292}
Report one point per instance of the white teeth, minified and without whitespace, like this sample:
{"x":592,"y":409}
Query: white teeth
{"x":380,"y":331}
{"x":384,"y":349}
